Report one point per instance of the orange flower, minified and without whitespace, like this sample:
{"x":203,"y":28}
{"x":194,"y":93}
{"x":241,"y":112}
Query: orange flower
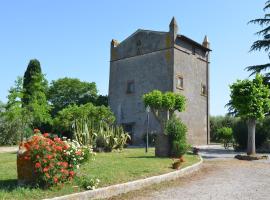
{"x":45,"y":169}
{"x":46,"y":134}
{"x":49,"y":157}
{"x":55,"y":179}
{"x":37,"y":165}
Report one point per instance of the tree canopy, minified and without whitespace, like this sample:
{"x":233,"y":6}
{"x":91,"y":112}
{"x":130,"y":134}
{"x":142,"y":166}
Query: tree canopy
{"x":163,"y":105}
{"x":263,"y":43}
{"x":71,"y":91}
{"x":250,"y":98}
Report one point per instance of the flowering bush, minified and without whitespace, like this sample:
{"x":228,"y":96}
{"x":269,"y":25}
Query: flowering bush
{"x":54,"y":160}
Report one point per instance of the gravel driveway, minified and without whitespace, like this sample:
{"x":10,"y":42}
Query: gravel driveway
{"x":221,"y":177}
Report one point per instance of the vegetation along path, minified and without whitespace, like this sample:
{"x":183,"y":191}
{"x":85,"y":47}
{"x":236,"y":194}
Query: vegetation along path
{"x":221,"y":177}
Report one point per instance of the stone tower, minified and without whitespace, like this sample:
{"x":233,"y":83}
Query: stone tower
{"x":167,"y":61}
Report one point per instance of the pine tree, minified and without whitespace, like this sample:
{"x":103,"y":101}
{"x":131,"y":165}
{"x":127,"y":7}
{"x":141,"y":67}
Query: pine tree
{"x":262,"y":44}
{"x":34,"y":94}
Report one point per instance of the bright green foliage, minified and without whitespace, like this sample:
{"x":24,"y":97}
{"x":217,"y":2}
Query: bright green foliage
{"x":225,"y":135}
{"x":163,"y":105}
{"x":34,"y":94}
{"x":154,"y":99}
{"x":14,"y":118}
{"x":71,"y":91}
{"x":250,"y":98}
{"x":262,"y":44}
{"x":176,"y":131}
{"x":166,"y":101}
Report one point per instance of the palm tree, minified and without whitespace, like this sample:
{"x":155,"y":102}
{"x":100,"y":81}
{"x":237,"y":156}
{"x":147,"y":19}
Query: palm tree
{"x":262,"y":44}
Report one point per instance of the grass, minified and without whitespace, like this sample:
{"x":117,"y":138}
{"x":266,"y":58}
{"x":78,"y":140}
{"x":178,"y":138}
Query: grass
{"x":110,"y":168}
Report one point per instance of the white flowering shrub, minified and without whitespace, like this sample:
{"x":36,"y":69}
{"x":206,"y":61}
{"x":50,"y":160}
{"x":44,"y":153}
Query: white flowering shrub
{"x":78,"y":154}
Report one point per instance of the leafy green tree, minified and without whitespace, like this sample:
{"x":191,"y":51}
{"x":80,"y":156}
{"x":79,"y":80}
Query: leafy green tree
{"x":71,"y":91}
{"x":14,"y":118}
{"x":262,"y":44}
{"x":102,"y":100}
{"x":250,"y":101}
{"x":34,"y":94}
{"x":163,"y":105}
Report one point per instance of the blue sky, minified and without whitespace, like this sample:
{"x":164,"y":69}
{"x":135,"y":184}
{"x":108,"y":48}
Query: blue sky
{"x":72,"y":38}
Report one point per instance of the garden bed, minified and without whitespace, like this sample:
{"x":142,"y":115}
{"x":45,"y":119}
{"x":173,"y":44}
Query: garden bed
{"x":110,"y":168}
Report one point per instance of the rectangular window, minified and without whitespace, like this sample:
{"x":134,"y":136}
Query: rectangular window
{"x":179,"y":82}
{"x":203,"y":90}
{"x":130,"y":87}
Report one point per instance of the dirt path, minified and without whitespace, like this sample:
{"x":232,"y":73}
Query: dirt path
{"x":8,"y":149}
{"x":219,"y":179}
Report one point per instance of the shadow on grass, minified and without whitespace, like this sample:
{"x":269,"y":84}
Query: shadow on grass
{"x":12,"y":184}
{"x":9,"y":184}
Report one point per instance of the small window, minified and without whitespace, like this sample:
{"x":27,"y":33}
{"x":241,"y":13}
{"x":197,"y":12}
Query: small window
{"x":193,"y":50}
{"x":179,"y":82}
{"x":130,"y":87}
{"x":203,"y":90}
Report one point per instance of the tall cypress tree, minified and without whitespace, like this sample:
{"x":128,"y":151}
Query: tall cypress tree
{"x":34,"y":94}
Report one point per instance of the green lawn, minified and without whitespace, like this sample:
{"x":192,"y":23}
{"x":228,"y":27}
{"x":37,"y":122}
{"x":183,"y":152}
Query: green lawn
{"x":110,"y":168}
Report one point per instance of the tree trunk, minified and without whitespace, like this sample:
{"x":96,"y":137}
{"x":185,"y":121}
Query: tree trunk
{"x":251,"y":149}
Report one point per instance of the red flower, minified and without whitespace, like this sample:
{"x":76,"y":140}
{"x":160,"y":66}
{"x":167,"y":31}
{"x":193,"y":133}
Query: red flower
{"x":44,"y":160}
{"x":46,"y":134}
{"x":58,"y":148}
{"x":37,"y":157}
{"x":55,"y":179}
{"x":65,"y":164}
{"x":72,"y":173}
{"x":78,"y":153}
{"x":45,"y":169}
{"x":57,"y":139}
{"x":37,"y":165}
{"x":49,"y":157}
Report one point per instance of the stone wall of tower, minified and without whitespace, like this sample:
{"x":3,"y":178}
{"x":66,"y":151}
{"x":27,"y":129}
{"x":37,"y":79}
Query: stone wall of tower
{"x":149,"y":71}
{"x":193,"y":69}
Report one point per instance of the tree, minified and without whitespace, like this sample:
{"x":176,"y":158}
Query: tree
{"x":34,"y":94}
{"x":262,"y":44}
{"x":70,"y":91}
{"x":250,"y":101}
{"x":163,"y":105}
{"x":102,"y":100}
{"x":14,"y":118}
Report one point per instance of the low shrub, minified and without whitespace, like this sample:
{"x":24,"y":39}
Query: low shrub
{"x":111,"y":137}
{"x":225,"y":135}
{"x":87,"y":182}
{"x":54,"y":160}
{"x":176,"y":130}
{"x":239,"y":130}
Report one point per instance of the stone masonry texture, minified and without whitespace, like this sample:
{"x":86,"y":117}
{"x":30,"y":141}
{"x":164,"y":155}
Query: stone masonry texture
{"x":149,"y":60}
